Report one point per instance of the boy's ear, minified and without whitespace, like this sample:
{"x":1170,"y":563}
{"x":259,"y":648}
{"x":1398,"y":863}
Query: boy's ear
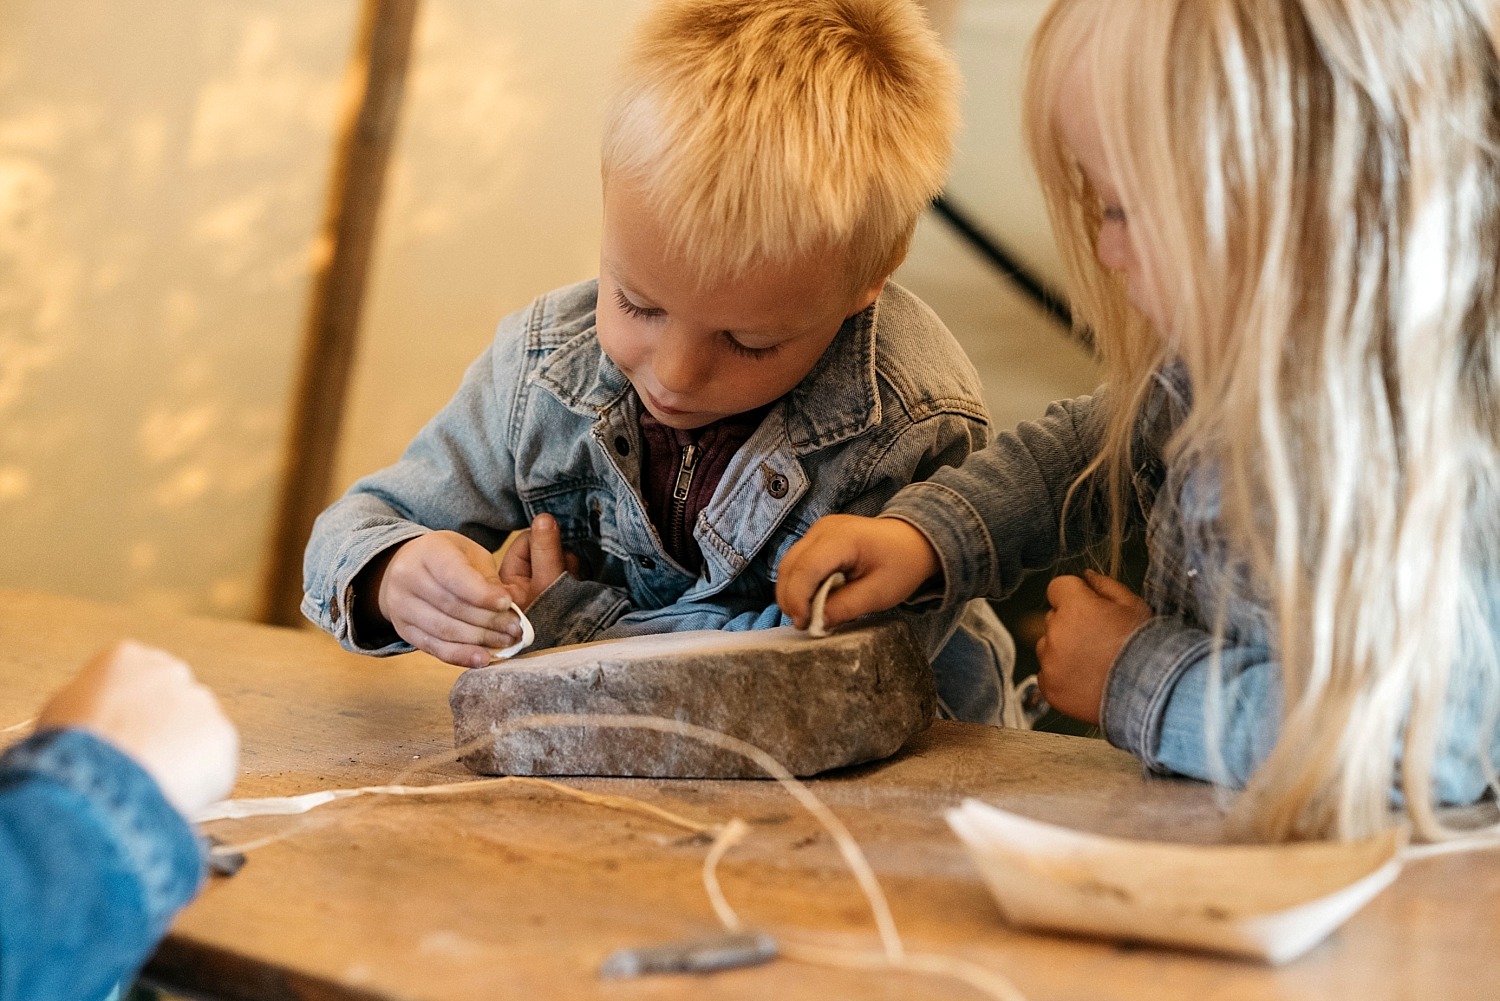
{"x":868,"y":296}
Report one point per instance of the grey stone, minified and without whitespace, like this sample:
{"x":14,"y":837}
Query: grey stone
{"x":812,"y":704}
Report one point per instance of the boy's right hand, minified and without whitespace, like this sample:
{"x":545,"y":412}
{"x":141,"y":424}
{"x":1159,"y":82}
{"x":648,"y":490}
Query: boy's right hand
{"x":441,"y":593}
{"x":883,"y":560}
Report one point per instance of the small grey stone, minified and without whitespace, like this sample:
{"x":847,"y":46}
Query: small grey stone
{"x":812,"y":704}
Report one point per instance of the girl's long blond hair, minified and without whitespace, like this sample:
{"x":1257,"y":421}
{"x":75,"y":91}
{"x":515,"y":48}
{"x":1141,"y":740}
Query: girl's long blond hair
{"x":1314,"y":187}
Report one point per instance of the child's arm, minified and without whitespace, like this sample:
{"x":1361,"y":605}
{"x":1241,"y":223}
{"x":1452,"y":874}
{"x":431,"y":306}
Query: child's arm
{"x":96,"y":852}
{"x":457,"y":479}
{"x":986,"y":523}
{"x":1160,"y":694}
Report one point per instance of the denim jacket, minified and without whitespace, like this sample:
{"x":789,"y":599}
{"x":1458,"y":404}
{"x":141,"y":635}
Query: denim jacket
{"x":545,"y":422}
{"x":999,"y":517}
{"x":93,"y":865}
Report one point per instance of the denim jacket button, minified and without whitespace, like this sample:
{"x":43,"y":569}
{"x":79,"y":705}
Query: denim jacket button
{"x":622,"y":444}
{"x":646,"y":562}
{"x":776,"y":486}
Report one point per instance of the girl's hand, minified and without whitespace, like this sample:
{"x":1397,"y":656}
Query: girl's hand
{"x":533,"y":559}
{"x":1091,"y":618}
{"x":441,"y":593}
{"x":883,"y":560}
{"x":148,"y":704}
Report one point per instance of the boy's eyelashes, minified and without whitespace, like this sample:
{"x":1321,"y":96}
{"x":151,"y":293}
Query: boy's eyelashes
{"x":745,"y":350}
{"x":631,"y":309}
{"x":1113,"y":213}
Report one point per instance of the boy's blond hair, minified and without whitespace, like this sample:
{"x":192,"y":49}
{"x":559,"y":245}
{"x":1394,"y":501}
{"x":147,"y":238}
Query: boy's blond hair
{"x":768,"y":130}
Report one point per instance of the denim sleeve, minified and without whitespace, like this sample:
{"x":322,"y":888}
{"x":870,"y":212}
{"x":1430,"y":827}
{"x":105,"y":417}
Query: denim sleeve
{"x":1159,"y":701}
{"x":1000,"y":514}
{"x":93,"y":865}
{"x":433,"y":486}
{"x":1156,"y":703}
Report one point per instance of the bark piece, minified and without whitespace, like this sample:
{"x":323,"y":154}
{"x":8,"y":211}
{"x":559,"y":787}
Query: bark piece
{"x":813,"y":704}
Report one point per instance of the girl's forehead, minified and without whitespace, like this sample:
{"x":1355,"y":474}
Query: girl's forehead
{"x":1076,"y":119}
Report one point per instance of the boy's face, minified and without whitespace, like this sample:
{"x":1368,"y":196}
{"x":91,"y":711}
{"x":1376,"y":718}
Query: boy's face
{"x":699,"y":353}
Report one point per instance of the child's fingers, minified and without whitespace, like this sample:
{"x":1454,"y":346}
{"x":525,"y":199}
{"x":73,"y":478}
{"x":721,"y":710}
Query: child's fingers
{"x":546,"y":551}
{"x":497,"y":629}
{"x":457,"y":654}
{"x":860,"y":596}
{"x":1068,"y":589}
{"x":810,"y":561}
{"x":515,"y":561}
{"x":469,"y":589}
{"x":1111,"y":589}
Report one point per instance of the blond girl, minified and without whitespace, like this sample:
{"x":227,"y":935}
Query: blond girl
{"x":1281,"y":221}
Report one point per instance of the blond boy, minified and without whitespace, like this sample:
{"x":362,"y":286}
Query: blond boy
{"x":741,"y":367}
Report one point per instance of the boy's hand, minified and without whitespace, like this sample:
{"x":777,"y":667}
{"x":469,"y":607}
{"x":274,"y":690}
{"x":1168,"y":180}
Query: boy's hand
{"x":1091,"y":618}
{"x":883,"y":559}
{"x":441,"y":593}
{"x":534,"y":559}
{"x":147,"y":703}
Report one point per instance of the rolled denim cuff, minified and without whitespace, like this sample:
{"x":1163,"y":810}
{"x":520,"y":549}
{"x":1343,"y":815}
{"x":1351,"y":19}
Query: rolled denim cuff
{"x":332,"y":608}
{"x":155,"y":842}
{"x":956,"y":532}
{"x":1140,"y":683}
{"x":570,"y":610}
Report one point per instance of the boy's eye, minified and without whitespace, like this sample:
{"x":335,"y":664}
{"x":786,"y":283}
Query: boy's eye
{"x":745,"y":350}
{"x":1113,"y":213}
{"x":631,"y":309}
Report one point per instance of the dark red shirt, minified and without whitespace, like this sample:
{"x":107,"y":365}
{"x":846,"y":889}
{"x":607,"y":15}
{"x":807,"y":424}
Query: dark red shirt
{"x":680,"y":471}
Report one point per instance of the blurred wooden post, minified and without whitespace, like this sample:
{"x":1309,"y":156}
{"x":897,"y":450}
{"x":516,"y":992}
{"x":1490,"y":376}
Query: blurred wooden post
{"x":374,"y":86}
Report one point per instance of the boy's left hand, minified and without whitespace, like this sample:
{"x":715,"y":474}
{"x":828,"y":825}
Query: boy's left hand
{"x":1091,"y":618}
{"x":534,"y":559}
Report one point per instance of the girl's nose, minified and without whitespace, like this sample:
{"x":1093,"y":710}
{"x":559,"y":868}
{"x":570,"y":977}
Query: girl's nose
{"x":1113,"y":249}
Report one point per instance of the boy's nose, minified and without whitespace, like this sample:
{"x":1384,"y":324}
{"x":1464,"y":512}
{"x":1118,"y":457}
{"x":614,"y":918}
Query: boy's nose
{"x":680,"y":364}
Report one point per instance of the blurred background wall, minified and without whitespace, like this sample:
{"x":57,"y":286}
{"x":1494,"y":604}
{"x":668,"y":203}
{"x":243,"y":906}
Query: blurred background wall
{"x":164,"y":170}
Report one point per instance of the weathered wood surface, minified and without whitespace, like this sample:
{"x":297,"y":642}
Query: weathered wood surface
{"x":521,"y":892}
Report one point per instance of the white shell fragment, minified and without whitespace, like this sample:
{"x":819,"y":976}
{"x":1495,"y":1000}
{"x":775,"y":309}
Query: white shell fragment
{"x":1268,"y":902}
{"x":815,"y":626}
{"x":528,"y":637}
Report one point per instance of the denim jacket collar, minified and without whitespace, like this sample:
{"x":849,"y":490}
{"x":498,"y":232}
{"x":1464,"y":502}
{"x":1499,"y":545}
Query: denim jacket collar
{"x":837,"y":400}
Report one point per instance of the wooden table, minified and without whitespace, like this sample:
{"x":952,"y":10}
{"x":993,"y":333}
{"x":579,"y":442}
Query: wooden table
{"x":521,"y":892}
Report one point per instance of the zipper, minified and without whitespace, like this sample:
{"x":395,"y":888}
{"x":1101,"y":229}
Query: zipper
{"x":680,"y":496}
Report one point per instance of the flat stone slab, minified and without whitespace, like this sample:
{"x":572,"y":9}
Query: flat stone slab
{"x":812,"y":704}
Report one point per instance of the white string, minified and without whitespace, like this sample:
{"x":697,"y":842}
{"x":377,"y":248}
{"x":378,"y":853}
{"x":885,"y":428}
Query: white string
{"x":18,"y":726}
{"x":731,"y":835}
{"x":848,"y":847}
{"x":1455,"y":846}
{"x":528,"y":635}
{"x":893,"y":956}
{"x":281,"y":806}
{"x":815,"y":624}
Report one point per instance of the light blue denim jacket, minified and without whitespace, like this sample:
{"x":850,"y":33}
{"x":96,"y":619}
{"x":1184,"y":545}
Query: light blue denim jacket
{"x":545,"y":422}
{"x":93,"y":865}
{"x":999,"y":517}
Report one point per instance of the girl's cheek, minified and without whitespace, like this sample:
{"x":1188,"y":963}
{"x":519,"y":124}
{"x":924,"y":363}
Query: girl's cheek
{"x":1113,"y":248}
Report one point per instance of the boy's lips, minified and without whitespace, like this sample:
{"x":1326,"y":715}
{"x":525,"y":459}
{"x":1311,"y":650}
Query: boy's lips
{"x":660,"y":407}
